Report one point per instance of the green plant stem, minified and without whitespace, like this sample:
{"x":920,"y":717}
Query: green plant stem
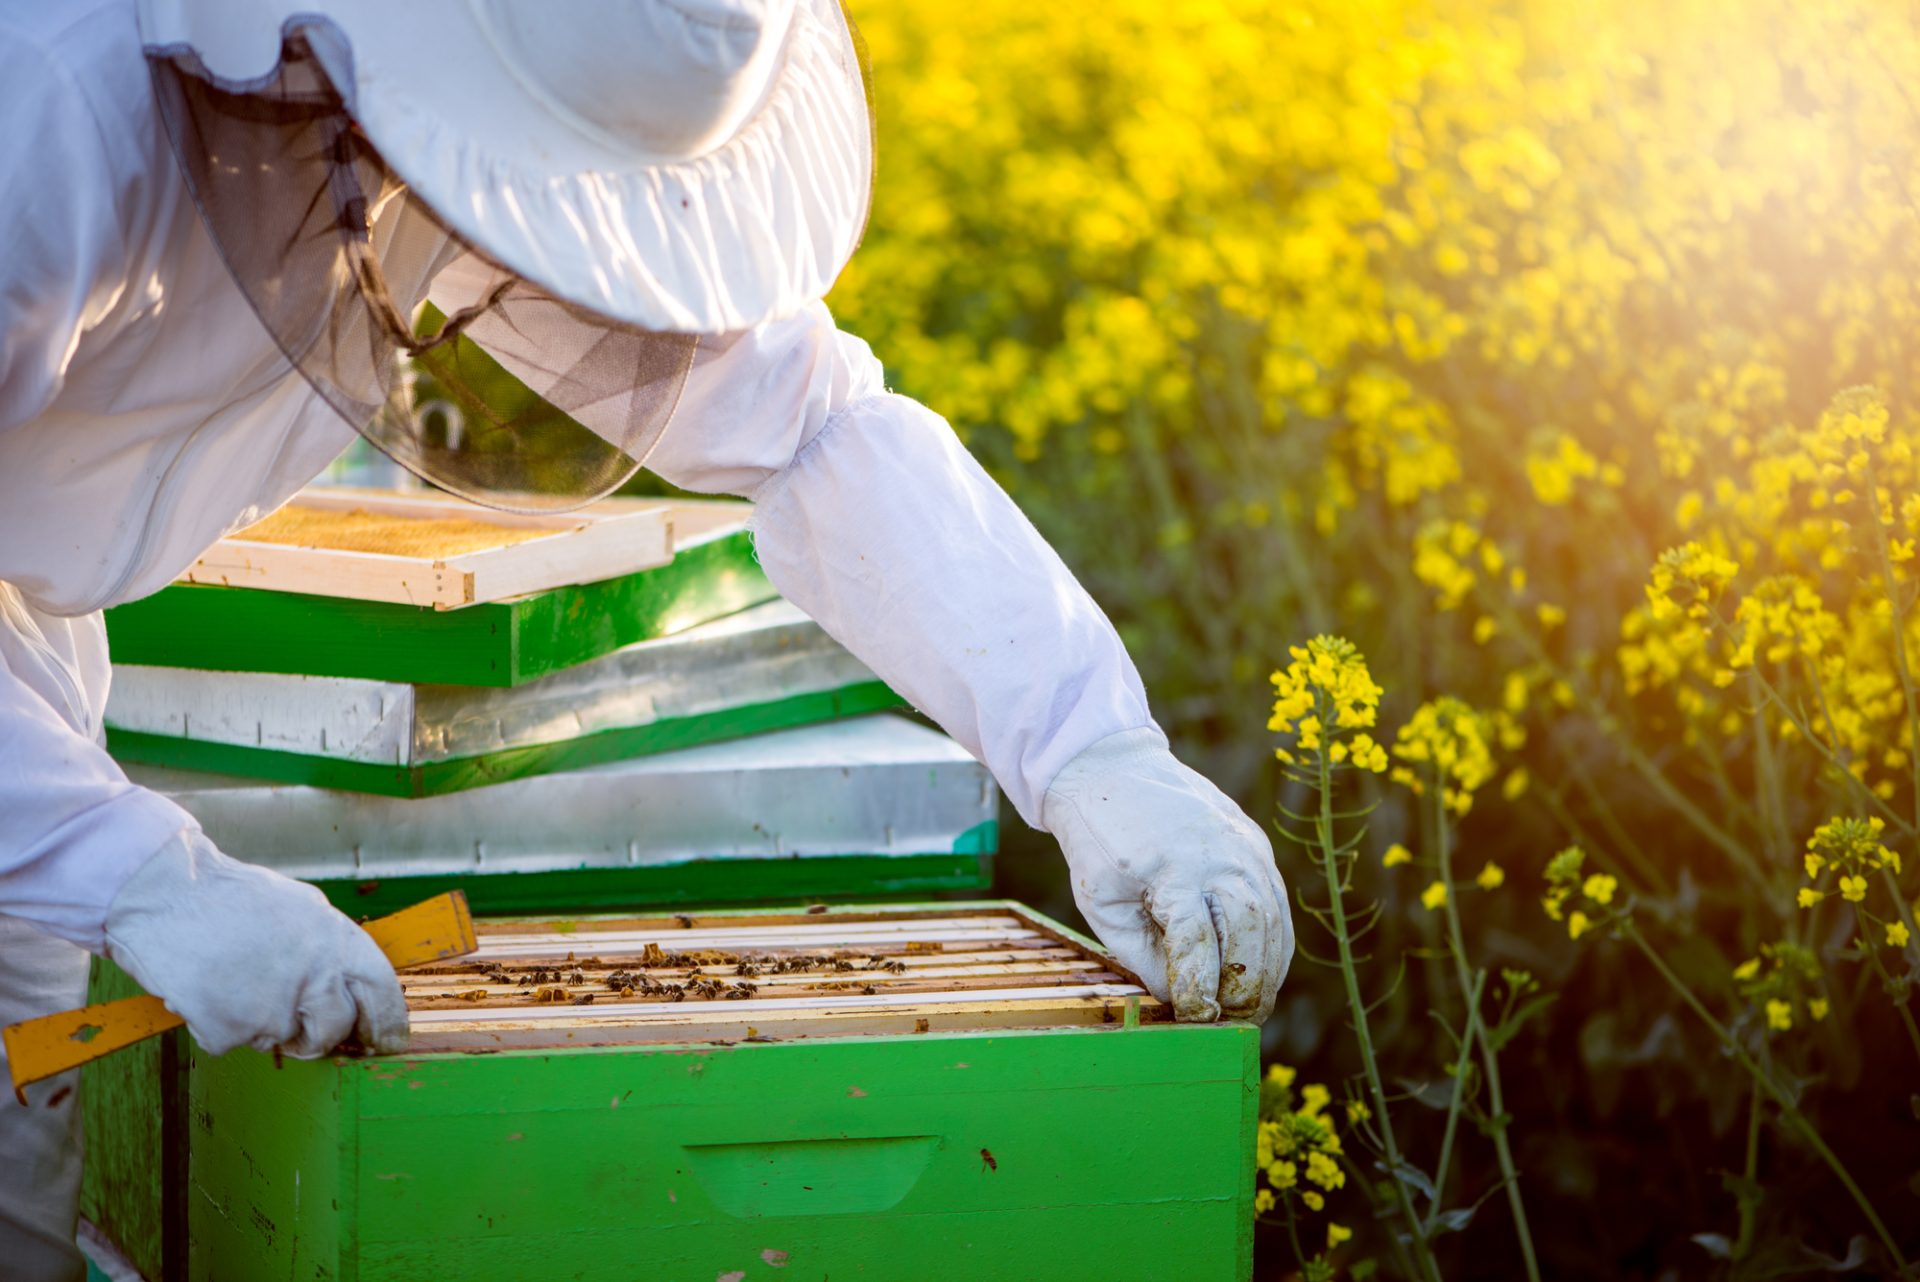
{"x":1643,"y":765}
{"x":1902,"y":909}
{"x":1828,"y":752}
{"x":1749,"y":1199}
{"x":1349,"y":972}
{"x":1887,"y":984}
{"x":1899,"y":621}
{"x":1293,"y":1236}
{"x":1489,"y":1058}
{"x":1789,"y":1111}
{"x":1459,"y":1098}
{"x":1772,"y":807}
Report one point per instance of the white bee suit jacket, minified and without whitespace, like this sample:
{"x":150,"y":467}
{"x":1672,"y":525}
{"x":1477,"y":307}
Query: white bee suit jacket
{"x":144,"y":413}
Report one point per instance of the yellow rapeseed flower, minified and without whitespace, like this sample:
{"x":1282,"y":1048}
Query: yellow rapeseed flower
{"x":1897,"y":934}
{"x":1325,"y":1172}
{"x":1434,"y":896}
{"x":1779,"y":1015}
{"x":1853,"y":888}
{"x":1396,"y":855}
{"x":1817,"y":1007}
{"x":1336,"y":1234}
{"x":1446,"y":743}
{"x":1313,"y":1200}
{"x":1491,"y":876}
{"x":1577,"y":924}
{"x":1599,"y":888}
{"x":1747,"y":969}
{"x":1263,"y":1201}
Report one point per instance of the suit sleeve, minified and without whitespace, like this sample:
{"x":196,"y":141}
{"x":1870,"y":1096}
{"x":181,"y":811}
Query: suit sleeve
{"x":60,"y":222}
{"x":72,"y":828}
{"x":873,"y":518}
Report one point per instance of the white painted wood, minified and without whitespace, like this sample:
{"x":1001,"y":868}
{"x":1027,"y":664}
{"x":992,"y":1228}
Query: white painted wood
{"x":342,"y":717}
{"x":363,"y":576}
{"x":608,"y":539}
{"x":602,"y":549}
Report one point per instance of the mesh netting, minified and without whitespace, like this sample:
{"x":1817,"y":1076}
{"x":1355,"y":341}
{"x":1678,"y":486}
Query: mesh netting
{"x":472,"y":378}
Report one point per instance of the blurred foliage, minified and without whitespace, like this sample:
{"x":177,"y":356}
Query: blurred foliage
{"x":1561,"y":356}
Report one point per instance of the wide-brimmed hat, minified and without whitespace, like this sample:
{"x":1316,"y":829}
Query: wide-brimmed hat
{"x":491,"y":233}
{"x":696,"y":166}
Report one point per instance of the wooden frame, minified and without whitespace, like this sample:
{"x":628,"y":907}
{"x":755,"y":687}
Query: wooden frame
{"x":857,"y":972}
{"x":611,"y":538}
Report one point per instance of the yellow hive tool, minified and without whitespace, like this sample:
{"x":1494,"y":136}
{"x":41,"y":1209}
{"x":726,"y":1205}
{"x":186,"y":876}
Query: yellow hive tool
{"x":433,"y":930}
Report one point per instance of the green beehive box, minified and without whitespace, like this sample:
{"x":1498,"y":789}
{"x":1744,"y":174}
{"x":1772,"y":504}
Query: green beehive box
{"x":876,"y":807}
{"x":1047,"y":1122}
{"x":497,"y":643}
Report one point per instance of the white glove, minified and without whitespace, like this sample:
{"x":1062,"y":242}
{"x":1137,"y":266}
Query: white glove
{"x":1173,"y":877}
{"x":249,"y":957}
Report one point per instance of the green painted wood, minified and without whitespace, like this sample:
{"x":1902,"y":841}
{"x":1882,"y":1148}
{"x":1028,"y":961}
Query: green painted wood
{"x":697,"y":882}
{"x":120,"y":1116}
{"x":277,"y":1143}
{"x":1118,"y":1154}
{"x":503,"y":643}
{"x":437,"y":777}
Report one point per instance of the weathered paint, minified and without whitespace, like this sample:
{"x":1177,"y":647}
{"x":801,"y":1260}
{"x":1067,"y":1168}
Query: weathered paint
{"x":120,"y":1118}
{"x":1111,"y":1154}
{"x":434,"y":778}
{"x":503,"y":643}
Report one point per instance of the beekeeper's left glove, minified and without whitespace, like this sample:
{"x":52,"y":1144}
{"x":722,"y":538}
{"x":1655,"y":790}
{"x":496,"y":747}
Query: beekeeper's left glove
{"x":1173,"y":877}
{"x":251,"y":958}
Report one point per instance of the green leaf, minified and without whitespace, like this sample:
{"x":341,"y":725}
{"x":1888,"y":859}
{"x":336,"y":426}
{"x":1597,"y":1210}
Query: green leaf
{"x":1510,"y":1027}
{"x":1411,"y":1176}
{"x":1436,"y":1095}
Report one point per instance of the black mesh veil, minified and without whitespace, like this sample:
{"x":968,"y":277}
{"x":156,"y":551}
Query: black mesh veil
{"x":472,"y":378}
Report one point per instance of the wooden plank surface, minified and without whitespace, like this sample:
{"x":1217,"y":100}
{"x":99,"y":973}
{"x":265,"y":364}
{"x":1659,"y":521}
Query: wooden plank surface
{"x":596,"y":543}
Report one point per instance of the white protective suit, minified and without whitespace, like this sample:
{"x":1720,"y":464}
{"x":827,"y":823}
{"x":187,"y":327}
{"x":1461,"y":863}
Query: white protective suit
{"x":145,"y":413}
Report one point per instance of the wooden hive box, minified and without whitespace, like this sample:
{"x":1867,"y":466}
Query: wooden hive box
{"x":960,"y":1091}
{"x":618,"y":572}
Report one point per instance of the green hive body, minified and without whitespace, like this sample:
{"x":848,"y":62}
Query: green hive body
{"x":1079,"y":1150}
{"x":851,"y":1158}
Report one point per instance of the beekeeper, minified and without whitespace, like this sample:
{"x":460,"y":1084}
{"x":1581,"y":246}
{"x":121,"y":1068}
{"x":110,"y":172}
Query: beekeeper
{"x":238,"y":231}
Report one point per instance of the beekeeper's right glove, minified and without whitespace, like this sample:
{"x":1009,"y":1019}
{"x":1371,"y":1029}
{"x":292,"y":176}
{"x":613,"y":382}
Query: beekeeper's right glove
{"x":1173,"y":877}
{"x":249,"y":957}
